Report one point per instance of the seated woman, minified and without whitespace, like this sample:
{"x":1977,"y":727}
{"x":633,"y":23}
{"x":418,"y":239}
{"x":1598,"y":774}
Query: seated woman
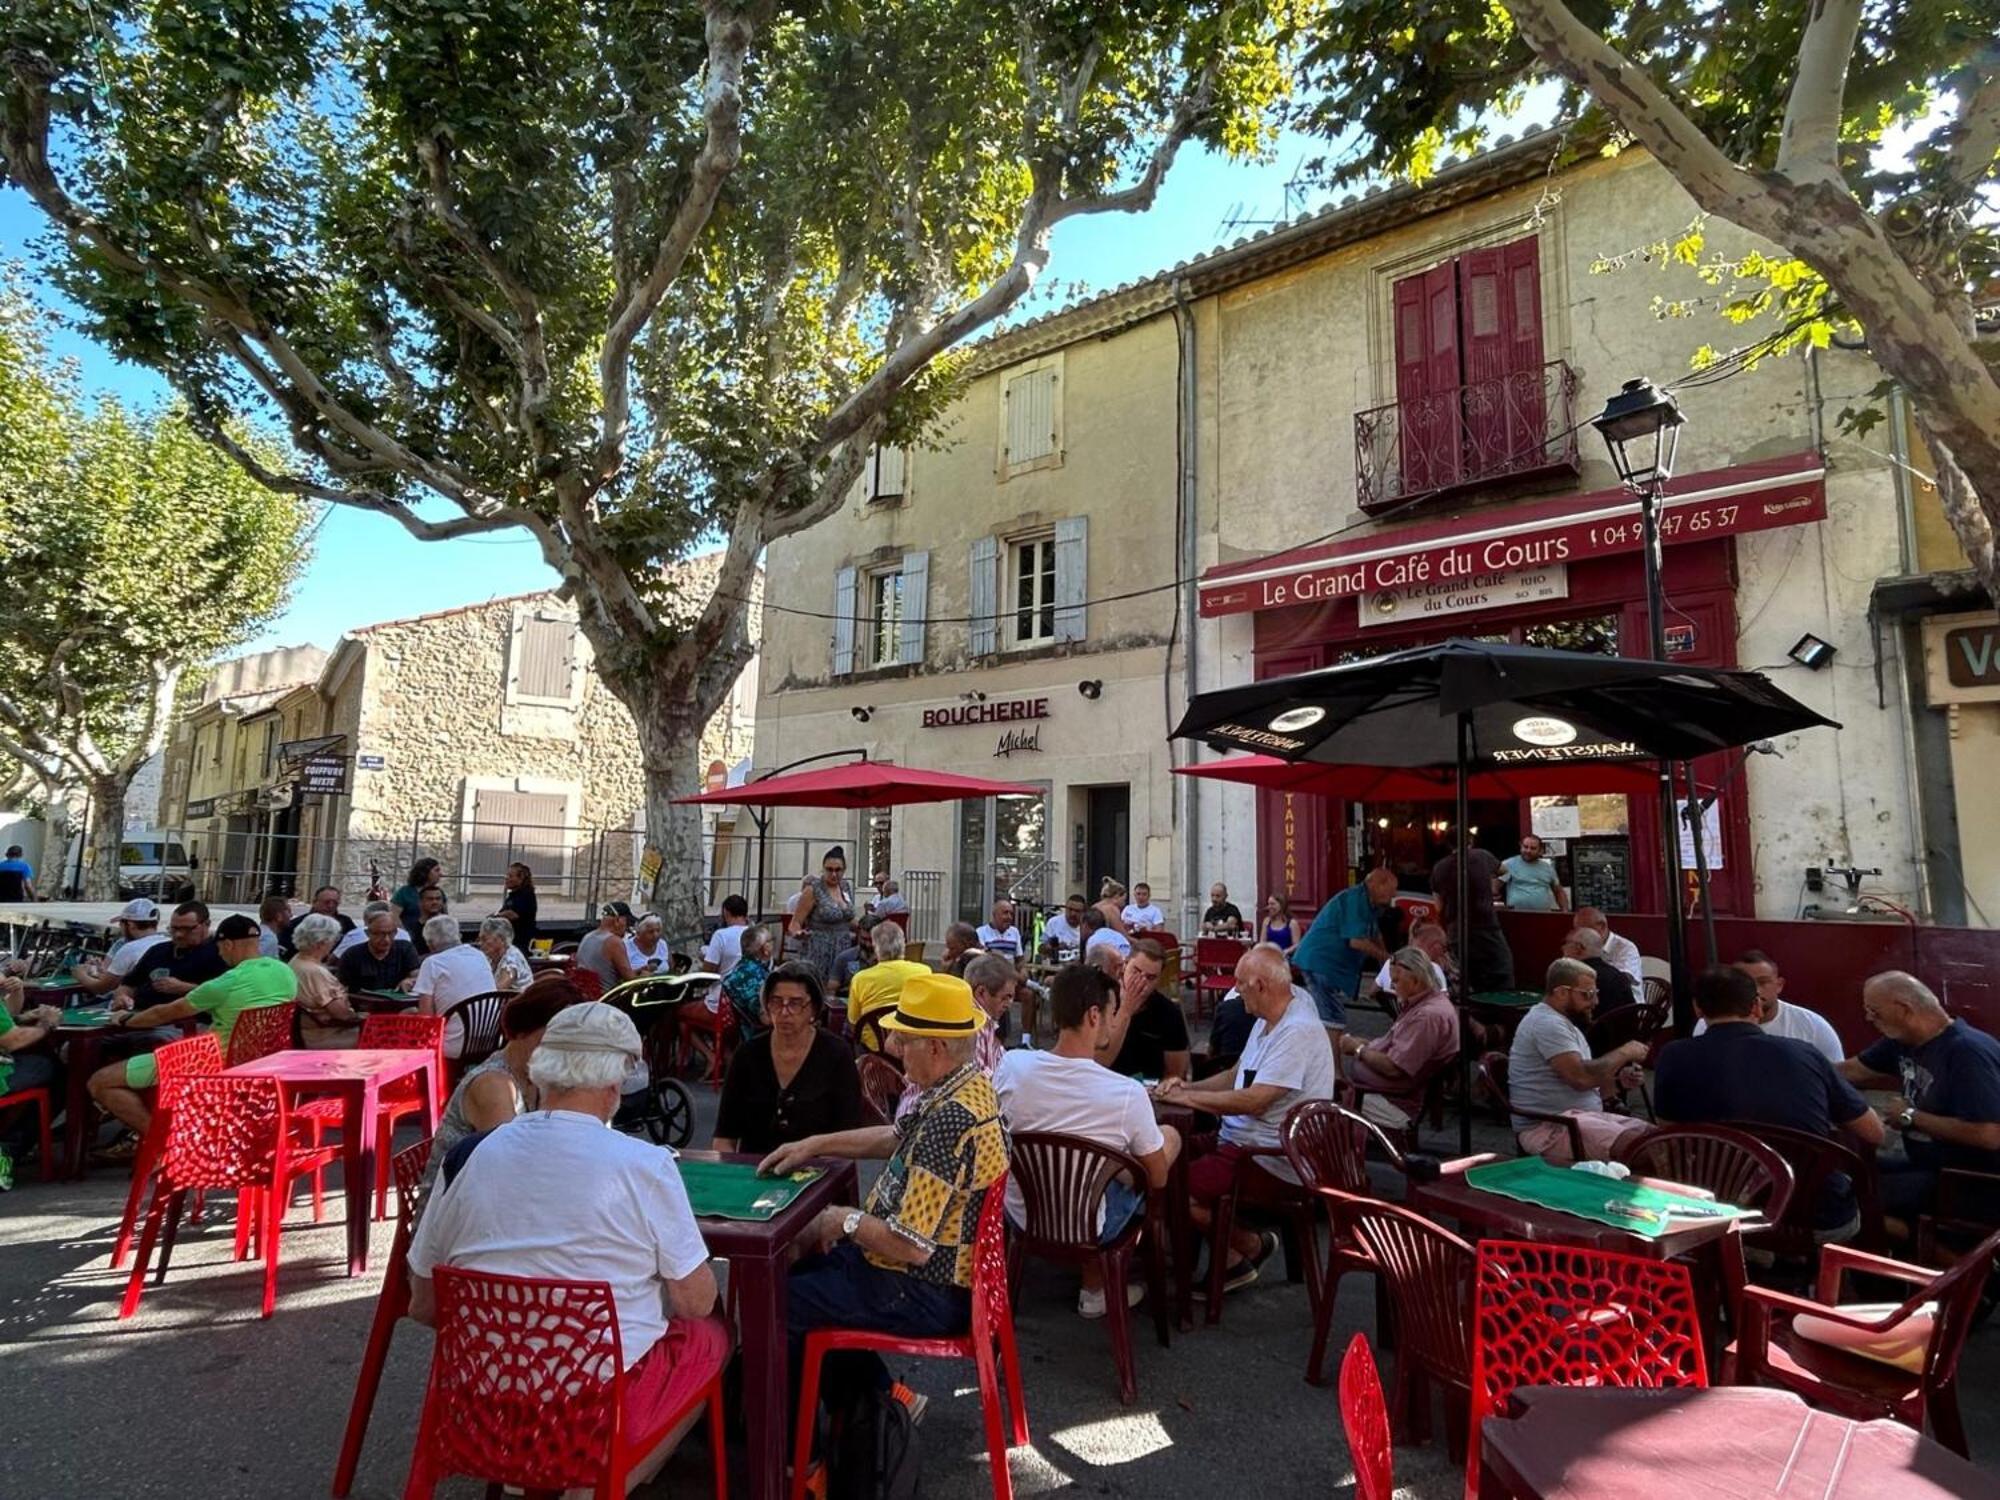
{"x":646,"y":949}
{"x":498,"y":1089}
{"x":510,"y":969}
{"x":792,"y":1081}
{"x":326,"y":1017}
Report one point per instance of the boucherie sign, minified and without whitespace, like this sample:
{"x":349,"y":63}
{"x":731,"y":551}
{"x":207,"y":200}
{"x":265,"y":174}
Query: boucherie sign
{"x":1013,"y":711}
{"x":1541,"y":534}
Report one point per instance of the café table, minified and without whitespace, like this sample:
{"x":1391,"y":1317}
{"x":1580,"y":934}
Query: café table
{"x":83,"y":1033}
{"x":1180,"y":1228}
{"x":1723,"y":1443}
{"x":760,"y":1253}
{"x":355,"y":1076}
{"x":388,"y":1001}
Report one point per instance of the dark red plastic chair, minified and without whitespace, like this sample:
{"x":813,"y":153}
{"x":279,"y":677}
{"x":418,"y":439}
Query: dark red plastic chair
{"x":881,"y":1084}
{"x":1365,"y":1420}
{"x":1293,"y":1205}
{"x":261,"y":1031}
{"x":406,"y":1031}
{"x":37,"y":1100}
{"x":1793,"y":1236}
{"x":1728,"y":1163}
{"x":1768,"y":1351}
{"x":1428,"y":1271}
{"x":1493,"y":1073}
{"x":1063,"y":1180}
{"x":526,"y":1389}
{"x":196,"y":1056}
{"x":988,"y":1343}
{"x":718,"y":1026}
{"x":1564,"y":1315}
{"x":390,"y":1308}
{"x":1328,"y":1147}
{"x":478,"y":1017}
{"x":226,"y":1132}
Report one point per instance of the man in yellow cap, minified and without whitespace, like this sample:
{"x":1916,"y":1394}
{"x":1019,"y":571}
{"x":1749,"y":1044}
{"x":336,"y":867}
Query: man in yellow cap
{"x":902,"y":1264}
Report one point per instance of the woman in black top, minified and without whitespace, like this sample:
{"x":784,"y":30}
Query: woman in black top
{"x":518,"y":905}
{"x":793,"y":1081}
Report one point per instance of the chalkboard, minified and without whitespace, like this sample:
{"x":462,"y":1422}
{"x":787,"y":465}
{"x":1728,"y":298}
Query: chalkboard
{"x":1601,"y":874}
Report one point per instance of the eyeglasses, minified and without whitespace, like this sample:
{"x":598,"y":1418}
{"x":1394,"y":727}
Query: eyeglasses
{"x":789,"y":1002}
{"x":184,"y":927}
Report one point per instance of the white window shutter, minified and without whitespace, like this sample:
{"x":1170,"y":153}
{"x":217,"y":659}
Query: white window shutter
{"x":889,"y":464}
{"x":1031,"y":416}
{"x":843,"y":622}
{"x":1072,"y":576}
{"x":984,"y":633}
{"x":916,"y":584}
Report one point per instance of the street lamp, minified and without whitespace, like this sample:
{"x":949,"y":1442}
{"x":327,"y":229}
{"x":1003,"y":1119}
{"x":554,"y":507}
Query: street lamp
{"x":1641,"y":426}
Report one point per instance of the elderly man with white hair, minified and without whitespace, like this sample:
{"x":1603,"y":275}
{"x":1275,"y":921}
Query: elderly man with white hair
{"x":1947,"y":1078}
{"x":1614,"y":990}
{"x":451,"y":971}
{"x":558,"y":1193}
{"x":1620,"y":952}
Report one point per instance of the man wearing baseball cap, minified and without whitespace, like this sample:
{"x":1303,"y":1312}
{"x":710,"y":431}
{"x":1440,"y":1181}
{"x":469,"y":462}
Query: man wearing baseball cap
{"x":602,"y":951}
{"x":138,"y":924}
{"x":902,"y":1263}
{"x":557,"y":1193}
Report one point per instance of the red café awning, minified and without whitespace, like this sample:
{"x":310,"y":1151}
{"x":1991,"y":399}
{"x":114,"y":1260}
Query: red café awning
{"x":1427,"y":784}
{"x":867,"y":783}
{"x":1570,"y":528}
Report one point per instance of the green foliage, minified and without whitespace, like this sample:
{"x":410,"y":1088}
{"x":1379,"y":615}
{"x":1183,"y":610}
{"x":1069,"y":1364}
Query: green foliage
{"x":134,"y":550}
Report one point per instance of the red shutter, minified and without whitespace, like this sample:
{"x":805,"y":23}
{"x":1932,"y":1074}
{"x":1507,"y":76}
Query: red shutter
{"x":1482,"y":329}
{"x":1521,"y":314}
{"x":1428,"y":377}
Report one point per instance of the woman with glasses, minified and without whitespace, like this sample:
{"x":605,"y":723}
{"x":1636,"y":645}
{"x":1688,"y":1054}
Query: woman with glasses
{"x":824,"y":913}
{"x":792,"y":1081}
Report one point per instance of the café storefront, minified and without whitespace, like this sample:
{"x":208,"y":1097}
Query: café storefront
{"x":1564,"y":572}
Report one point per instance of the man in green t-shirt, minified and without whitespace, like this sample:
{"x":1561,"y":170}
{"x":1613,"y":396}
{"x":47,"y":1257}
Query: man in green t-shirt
{"x":28,"y":1070}
{"x":251,"y":981}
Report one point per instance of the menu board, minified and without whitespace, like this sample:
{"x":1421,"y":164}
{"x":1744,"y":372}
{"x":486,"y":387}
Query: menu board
{"x":1601,"y":874}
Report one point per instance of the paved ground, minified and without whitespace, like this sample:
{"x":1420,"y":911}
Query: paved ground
{"x":198,"y":1396}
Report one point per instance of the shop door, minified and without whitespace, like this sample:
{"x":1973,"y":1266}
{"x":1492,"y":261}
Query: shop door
{"x":1107,"y":837}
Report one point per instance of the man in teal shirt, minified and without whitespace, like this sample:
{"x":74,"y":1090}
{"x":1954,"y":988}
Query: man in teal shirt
{"x":1345,"y":936}
{"x":1531,"y":880}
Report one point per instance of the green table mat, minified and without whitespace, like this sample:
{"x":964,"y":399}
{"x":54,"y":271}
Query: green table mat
{"x":86,"y":1015}
{"x":399,"y":997}
{"x":1506,"y":999}
{"x":1643,"y":1211}
{"x":733,"y":1190}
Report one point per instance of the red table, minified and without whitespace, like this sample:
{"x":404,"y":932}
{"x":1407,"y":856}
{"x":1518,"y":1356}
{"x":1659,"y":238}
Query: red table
{"x":83,"y":1054}
{"x":760,"y":1257}
{"x":1725,"y":1443}
{"x":1180,"y":1228}
{"x":355,"y":1077}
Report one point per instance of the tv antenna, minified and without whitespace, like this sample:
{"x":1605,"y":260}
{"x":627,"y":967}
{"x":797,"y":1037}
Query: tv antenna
{"x":1298,"y":192}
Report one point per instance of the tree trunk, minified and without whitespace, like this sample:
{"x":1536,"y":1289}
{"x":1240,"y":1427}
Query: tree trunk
{"x":670,"y":741}
{"x":103,"y":837}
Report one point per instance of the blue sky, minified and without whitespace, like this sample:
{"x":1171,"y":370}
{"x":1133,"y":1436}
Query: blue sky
{"x":367,"y":568}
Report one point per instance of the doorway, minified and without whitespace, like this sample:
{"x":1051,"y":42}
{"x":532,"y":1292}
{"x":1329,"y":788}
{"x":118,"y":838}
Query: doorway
{"x":1107,"y":836}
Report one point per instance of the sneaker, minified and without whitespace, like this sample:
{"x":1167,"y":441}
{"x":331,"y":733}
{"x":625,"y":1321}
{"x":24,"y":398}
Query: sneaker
{"x":913,"y":1402}
{"x":1244,"y":1272}
{"x":118,"y":1153}
{"x":1092,"y":1304}
{"x":7,"y":1174}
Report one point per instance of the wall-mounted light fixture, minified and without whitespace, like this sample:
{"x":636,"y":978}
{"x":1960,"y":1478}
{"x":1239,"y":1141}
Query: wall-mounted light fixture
{"x":862,"y":715}
{"x":1811,"y":652}
{"x":1091,"y":687}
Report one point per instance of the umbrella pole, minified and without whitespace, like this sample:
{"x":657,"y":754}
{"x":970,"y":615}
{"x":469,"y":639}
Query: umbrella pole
{"x":1463,"y":903}
{"x":1697,"y":835}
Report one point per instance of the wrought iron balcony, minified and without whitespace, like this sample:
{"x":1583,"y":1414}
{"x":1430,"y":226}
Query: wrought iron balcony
{"x":1517,"y":426}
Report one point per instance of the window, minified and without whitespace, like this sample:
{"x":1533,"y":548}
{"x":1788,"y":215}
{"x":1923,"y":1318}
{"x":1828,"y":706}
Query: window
{"x":270,"y":749}
{"x":1034,"y":590}
{"x":879,"y":614}
{"x":543,"y":659}
{"x":882,"y":481}
{"x":882,"y":618}
{"x":1002,"y":851}
{"x":1031,"y":418}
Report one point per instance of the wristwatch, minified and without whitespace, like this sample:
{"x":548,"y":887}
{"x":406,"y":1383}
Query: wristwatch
{"x":851,"y":1223}
{"x":1906,"y":1119}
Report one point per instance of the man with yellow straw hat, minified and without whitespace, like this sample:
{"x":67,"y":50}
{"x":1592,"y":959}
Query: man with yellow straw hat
{"x":902,"y":1264}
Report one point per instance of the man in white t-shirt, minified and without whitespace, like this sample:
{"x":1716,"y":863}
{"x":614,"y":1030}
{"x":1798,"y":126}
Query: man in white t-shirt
{"x":1097,"y":933}
{"x":1288,"y":1059}
{"x":724,"y":948}
{"x":1430,"y":938}
{"x":557,"y":1193}
{"x":1001,"y":935}
{"x":1140,"y":914}
{"x":1550,"y":1071}
{"x":139,"y":929}
{"x":1780,"y":1018}
{"x":1066,"y":1090}
{"x":452,"y":970}
{"x":892,"y":900}
{"x":1620,"y":952}
{"x":1062,"y":934}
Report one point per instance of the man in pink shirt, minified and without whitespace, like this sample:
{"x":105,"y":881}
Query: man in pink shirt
{"x":1389,"y":1071}
{"x":993,"y":980}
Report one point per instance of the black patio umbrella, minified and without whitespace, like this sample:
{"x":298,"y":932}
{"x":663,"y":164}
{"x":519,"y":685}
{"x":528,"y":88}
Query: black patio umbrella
{"x":1476,"y":705}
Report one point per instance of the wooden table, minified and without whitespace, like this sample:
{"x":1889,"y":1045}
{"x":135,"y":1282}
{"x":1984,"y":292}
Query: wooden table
{"x":760,"y":1257}
{"x":355,"y":1077}
{"x":1180,"y":1227}
{"x":1725,"y":1443}
{"x":1492,"y":1216}
{"x":83,"y":1054}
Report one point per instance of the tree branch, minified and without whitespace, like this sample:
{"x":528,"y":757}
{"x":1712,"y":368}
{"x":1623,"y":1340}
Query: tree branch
{"x":1973,"y":136}
{"x":1809,"y":142}
{"x":159,"y":714}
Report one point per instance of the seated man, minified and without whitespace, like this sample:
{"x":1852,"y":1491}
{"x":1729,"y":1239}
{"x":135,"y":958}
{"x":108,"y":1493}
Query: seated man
{"x":139,"y":931}
{"x":1550,"y":1070}
{"x":23,"y":1027}
{"x":1422,"y":1038}
{"x":1948,"y":1108}
{"x":1001,"y":935}
{"x":1146,"y":1036}
{"x":384,"y":959}
{"x":892,"y":900}
{"x":1287,"y":1059}
{"x":1779,"y":1017}
{"x":873,"y":992}
{"x":1062,"y":934}
{"x":1614,"y":990}
{"x":902,"y":1263}
{"x":857,"y":955}
{"x":1066,"y":1091}
{"x":1735,"y":1070}
{"x":431,"y":904}
{"x":1140,"y":914}
{"x":959,"y":939}
{"x":1619,"y":951}
{"x":1099,"y":933}
{"x":1430,"y":939}
{"x":452,"y":970}
{"x":993,"y":985}
{"x":357,"y":935}
{"x":249,"y":981}
{"x":556,"y":1193}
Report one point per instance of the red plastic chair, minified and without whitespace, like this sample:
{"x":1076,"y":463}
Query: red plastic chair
{"x":1063,"y":1180}
{"x":1328,"y":1147}
{"x":881,"y":1083}
{"x":225,"y":1132}
{"x":1294,"y":1206}
{"x":38,"y":1099}
{"x":992,"y":1332}
{"x":526,"y":1389}
{"x":261,"y":1031}
{"x":1769,"y":1352}
{"x":1563,"y":1315}
{"x":1366,"y":1421}
{"x":197,"y":1056}
{"x":388,"y":1033}
{"x":1428,"y":1271}
{"x":1493,"y":1073}
{"x":719,"y":1026}
{"x":1794,"y":1235}
{"x":1215,"y":968}
{"x":391,"y":1307}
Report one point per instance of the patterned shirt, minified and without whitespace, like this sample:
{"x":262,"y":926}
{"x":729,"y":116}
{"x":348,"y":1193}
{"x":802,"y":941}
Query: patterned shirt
{"x":949,"y":1151}
{"x":744,"y":989}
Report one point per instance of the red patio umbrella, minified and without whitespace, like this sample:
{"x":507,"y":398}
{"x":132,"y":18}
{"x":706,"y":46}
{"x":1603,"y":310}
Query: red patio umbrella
{"x":863,"y":783}
{"x":1427,"y":783}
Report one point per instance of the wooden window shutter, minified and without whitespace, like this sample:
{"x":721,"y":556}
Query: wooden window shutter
{"x":1031,"y":416}
{"x":509,"y":826}
{"x":843,"y":622}
{"x":916,"y":586}
{"x":547,"y":658}
{"x":983,"y":634}
{"x":889,"y":465}
{"x":1072,"y":576}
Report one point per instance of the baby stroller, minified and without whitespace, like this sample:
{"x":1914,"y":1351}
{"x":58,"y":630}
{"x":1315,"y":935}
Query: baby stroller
{"x":657,"y":1104}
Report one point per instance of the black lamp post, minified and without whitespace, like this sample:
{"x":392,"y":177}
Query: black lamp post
{"x":1641,"y":426}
